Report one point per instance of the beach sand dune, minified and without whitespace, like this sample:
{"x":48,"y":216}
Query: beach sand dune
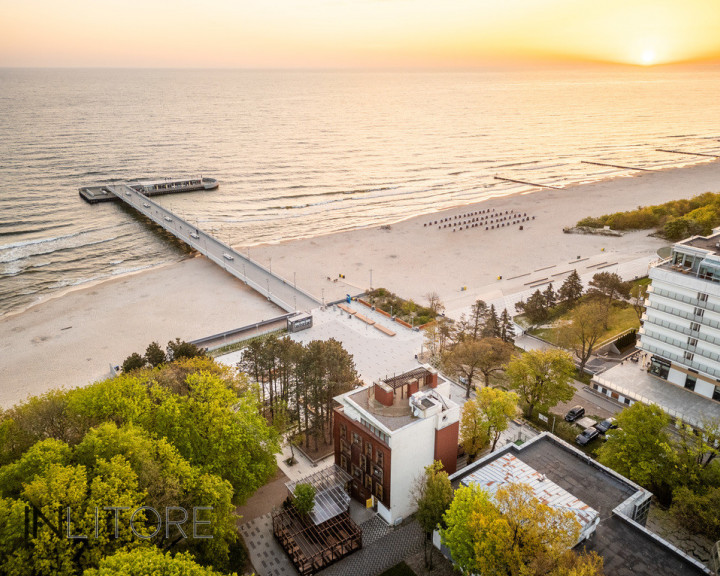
{"x":71,"y":340}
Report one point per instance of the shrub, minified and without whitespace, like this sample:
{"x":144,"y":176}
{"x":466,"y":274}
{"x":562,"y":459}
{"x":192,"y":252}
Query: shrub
{"x":304,"y":500}
{"x":133,"y":362}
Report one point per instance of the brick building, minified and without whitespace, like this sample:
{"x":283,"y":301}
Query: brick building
{"x":386,"y":433}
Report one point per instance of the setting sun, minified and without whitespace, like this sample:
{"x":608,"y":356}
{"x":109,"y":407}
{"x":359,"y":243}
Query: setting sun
{"x":648,"y":57}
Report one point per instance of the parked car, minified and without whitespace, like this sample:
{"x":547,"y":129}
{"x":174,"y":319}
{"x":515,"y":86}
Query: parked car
{"x":606,"y":425}
{"x":574,"y":413}
{"x":586,"y":436}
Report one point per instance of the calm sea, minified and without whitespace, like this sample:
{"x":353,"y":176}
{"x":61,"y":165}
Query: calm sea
{"x":305,"y":153}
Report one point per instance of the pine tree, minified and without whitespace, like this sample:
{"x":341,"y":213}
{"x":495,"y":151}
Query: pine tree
{"x":507,"y":332}
{"x":550,"y":296}
{"x":535,"y":307}
{"x":492,"y":324}
{"x":572,"y":288}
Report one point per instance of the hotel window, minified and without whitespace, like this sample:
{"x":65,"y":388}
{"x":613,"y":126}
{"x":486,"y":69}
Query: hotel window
{"x":357,"y":473}
{"x":380,"y":457}
{"x":356,"y":438}
{"x":343,"y":463}
{"x":692,"y":342}
{"x":379,"y":491}
{"x":343,"y":431}
{"x":694,"y":327}
{"x":702,"y":297}
{"x":368,"y":450}
{"x":363,"y":462}
{"x":378,"y":473}
{"x":689,"y":355}
{"x":344,"y":445}
{"x":658,"y":367}
{"x":699,"y":312}
{"x":716,"y":393}
{"x":690,"y":381}
{"x":368,"y":482}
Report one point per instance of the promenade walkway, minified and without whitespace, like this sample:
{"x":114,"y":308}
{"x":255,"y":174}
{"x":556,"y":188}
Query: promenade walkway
{"x":276,"y":289}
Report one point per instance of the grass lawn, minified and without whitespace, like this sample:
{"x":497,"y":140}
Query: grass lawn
{"x":621,"y":318}
{"x":401,"y":569}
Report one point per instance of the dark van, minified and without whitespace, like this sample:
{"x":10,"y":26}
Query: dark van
{"x":574,"y":413}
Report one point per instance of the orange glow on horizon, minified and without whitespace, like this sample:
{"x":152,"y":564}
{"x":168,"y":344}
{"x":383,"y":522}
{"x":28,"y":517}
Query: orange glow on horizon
{"x":356,"y":33}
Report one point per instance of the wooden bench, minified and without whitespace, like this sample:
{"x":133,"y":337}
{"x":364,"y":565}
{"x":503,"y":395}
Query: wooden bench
{"x":346,"y":309}
{"x":365,"y":319}
{"x":384,"y":330}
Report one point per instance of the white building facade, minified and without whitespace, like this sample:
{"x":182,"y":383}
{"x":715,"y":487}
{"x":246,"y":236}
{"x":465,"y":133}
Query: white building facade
{"x":681,"y":324}
{"x":387,"y":433}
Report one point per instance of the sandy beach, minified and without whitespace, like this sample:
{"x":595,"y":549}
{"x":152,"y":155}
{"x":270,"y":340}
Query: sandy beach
{"x":412,"y":258}
{"x":71,"y":340}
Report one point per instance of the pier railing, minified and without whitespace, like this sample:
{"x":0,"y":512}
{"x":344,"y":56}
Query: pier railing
{"x":275,"y":288}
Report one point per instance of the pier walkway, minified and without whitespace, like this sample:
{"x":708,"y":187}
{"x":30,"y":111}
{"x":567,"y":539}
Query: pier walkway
{"x":275,"y":288}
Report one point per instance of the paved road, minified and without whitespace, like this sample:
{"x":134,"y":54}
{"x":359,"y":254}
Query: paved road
{"x":273,"y":287}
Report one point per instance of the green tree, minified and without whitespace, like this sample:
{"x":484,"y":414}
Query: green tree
{"x":640,"y":448}
{"x":179,"y":349}
{"x":483,"y":420}
{"x":507,"y":332}
{"x":535,"y":308}
{"x":154,"y":354}
{"x":304,"y":498}
{"x":514,"y":533}
{"x":473,"y":431}
{"x":149,"y":560}
{"x":698,"y":512}
{"x":494,"y":354}
{"x":497,"y":408}
{"x":133,"y":362}
{"x":584,"y":329}
{"x":492,"y":324}
{"x":571,"y":289}
{"x":464,"y":360}
{"x":542,"y":378}
{"x":433,"y":494}
{"x":609,"y":286}
{"x":550,"y":296}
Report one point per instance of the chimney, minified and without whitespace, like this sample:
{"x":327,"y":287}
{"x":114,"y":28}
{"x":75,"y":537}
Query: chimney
{"x":432,"y":378}
{"x":384,"y":394}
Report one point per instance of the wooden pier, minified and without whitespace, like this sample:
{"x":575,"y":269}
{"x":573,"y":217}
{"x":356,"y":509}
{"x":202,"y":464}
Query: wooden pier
{"x":275,"y":288}
{"x":527,"y":183}
{"x":615,"y":166}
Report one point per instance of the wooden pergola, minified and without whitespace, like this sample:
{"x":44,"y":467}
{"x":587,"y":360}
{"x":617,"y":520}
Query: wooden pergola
{"x":316,"y":540}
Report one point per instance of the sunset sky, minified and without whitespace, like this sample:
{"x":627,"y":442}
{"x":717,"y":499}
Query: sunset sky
{"x":354,"y":33}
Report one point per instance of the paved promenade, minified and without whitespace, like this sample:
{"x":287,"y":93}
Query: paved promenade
{"x":276,"y":289}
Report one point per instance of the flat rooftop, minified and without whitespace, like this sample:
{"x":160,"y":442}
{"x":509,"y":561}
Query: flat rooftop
{"x":399,"y":414}
{"x":704,"y":242}
{"x":630,"y":380}
{"x":626,"y":548}
{"x":509,"y":469}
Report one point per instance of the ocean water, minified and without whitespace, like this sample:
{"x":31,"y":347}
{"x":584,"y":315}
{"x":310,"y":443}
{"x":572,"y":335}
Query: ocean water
{"x":300,"y":154}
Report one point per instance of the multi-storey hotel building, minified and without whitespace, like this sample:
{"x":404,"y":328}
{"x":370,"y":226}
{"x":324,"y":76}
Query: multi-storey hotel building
{"x":681,"y":325}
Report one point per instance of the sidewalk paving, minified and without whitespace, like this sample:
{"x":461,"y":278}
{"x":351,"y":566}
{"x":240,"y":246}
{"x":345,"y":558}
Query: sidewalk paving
{"x":381,"y":554}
